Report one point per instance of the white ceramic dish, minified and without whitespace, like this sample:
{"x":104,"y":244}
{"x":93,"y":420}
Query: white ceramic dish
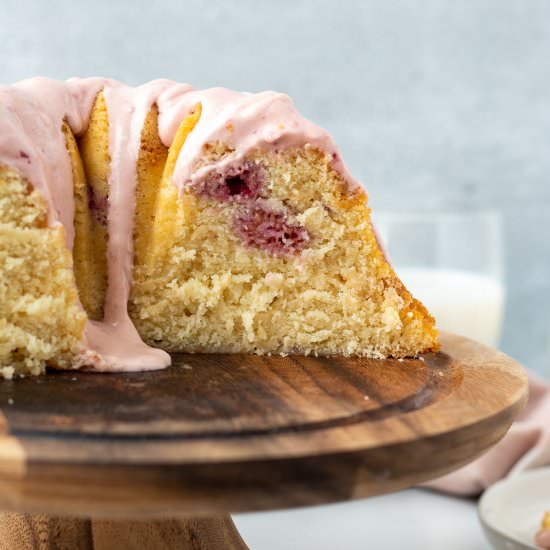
{"x":511,"y":510}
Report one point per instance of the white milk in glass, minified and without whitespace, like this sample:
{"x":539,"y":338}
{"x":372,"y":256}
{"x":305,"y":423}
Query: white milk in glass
{"x":462,"y":302}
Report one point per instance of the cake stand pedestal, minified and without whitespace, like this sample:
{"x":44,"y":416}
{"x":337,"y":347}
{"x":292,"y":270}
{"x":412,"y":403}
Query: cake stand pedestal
{"x":114,"y":456}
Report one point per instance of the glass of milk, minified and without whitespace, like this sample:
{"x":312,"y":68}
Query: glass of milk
{"x":453,"y":263}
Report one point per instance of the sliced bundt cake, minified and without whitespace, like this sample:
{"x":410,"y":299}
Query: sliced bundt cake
{"x":217,"y":221}
{"x":262,"y":242}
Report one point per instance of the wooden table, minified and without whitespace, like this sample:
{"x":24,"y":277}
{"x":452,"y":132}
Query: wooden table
{"x":214,"y":434}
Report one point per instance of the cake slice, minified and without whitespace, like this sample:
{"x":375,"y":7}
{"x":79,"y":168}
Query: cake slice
{"x":41,"y":322}
{"x":262,"y":242}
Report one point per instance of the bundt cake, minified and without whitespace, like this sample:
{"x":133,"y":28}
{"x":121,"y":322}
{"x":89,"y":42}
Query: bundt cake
{"x":138,"y":221}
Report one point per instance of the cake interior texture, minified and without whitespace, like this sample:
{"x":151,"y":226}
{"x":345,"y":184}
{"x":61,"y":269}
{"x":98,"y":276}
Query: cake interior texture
{"x":40,"y":318}
{"x":225,"y":222}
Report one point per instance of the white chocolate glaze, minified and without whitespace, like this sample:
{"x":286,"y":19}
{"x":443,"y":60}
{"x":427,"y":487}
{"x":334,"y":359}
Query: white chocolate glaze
{"x":31,"y":141}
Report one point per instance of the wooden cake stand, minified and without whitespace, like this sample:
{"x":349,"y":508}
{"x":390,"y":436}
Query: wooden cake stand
{"x":115,"y":455}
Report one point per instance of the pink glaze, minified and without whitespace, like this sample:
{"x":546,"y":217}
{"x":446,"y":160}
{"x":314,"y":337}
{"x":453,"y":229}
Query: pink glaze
{"x":116,"y":339}
{"x":244,"y":122}
{"x":543,"y":539}
{"x":31,"y":141}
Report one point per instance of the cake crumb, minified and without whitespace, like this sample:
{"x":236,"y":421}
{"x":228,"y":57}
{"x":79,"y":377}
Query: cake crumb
{"x":186,"y":367}
{"x":366,"y":397}
{"x":10,"y":401}
{"x":7,"y":372}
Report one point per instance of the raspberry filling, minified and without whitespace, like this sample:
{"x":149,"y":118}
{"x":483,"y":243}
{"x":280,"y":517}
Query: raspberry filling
{"x":255,"y":223}
{"x":236,"y":183}
{"x":262,"y":227}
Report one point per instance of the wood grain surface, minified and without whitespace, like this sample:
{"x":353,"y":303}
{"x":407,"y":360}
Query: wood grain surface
{"x":225,"y":433}
{"x":41,"y":532}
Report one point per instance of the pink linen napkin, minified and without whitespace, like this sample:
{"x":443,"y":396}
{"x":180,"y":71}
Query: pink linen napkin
{"x":526,"y":445}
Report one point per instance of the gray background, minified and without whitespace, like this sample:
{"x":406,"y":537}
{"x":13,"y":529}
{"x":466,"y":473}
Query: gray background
{"x":436,"y":104}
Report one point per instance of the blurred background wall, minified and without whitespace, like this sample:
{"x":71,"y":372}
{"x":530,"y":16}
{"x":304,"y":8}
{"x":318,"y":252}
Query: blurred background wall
{"x":436,"y":104}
